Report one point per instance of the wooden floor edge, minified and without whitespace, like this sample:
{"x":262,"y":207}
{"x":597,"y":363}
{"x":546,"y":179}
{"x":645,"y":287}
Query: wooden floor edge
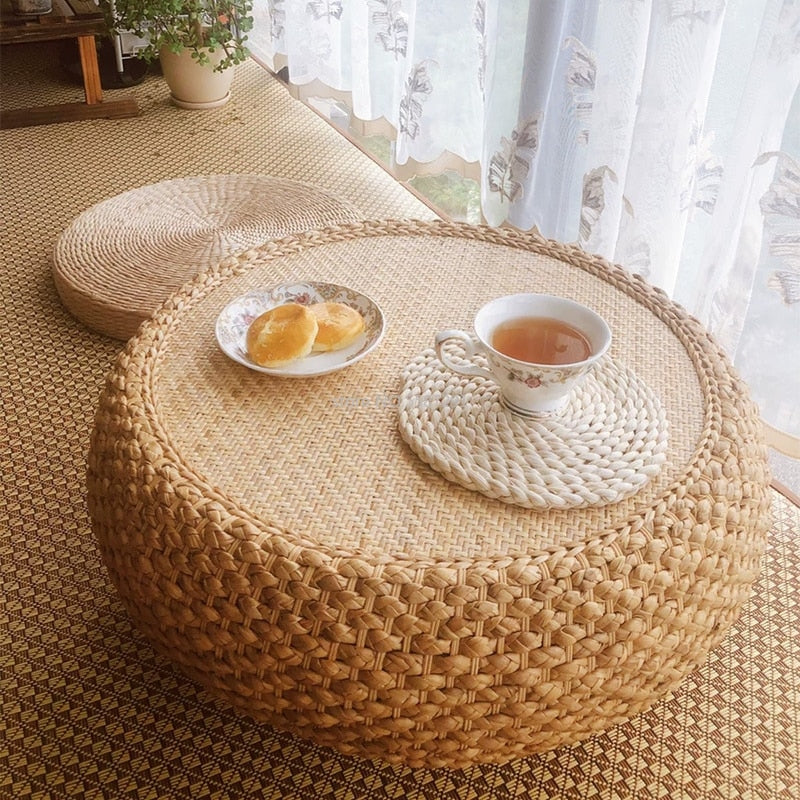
{"x":69,"y":112}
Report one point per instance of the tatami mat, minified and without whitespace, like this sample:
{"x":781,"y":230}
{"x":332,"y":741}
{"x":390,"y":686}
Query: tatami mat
{"x":88,"y":710}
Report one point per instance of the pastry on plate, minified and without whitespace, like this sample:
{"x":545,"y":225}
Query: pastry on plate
{"x":339,"y":325}
{"x":281,"y":335}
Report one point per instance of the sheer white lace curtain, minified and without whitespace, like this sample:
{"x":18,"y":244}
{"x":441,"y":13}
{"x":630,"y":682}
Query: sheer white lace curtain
{"x":661,"y":134}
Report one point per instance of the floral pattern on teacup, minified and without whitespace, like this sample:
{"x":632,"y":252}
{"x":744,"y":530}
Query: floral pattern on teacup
{"x":534,"y":380}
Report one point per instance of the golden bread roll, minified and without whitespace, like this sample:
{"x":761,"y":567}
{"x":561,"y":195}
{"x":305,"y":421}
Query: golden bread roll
{"x":281,"y":335}
{"x":339,"y":325}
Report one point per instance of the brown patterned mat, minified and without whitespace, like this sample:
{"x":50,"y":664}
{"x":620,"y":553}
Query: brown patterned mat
{"x":87,"y":709}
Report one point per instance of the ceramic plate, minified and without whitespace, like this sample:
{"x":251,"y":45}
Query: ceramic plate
{"x":236,"y":317}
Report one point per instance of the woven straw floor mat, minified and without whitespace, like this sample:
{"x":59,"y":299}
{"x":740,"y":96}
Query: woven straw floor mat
{"x":88,"y":711}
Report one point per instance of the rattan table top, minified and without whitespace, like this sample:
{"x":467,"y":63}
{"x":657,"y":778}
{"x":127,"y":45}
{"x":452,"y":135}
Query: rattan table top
{"x":322,"y":457}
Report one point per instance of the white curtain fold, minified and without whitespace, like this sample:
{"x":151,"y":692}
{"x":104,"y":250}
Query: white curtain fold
{"x":661,"y":134}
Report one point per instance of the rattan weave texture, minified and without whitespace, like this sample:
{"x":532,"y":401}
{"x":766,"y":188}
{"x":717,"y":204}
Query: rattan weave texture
{"x":119,"y":260}
{"x":286,"y":551}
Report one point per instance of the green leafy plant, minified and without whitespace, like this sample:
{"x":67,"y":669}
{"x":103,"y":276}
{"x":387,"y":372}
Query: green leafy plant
{"x":199,"y":25}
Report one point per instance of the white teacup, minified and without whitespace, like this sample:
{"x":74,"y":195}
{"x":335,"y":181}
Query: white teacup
{"x":529,"y":388}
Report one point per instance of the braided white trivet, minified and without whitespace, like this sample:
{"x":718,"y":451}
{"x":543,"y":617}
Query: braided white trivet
{"x":607,"y":443}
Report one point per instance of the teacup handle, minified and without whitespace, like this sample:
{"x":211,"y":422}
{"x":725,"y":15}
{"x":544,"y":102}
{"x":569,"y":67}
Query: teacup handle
{"x":469,"y":352}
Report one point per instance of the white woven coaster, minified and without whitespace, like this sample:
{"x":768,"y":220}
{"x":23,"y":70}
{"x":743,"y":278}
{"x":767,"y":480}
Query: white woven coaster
{"x":607,"y":443}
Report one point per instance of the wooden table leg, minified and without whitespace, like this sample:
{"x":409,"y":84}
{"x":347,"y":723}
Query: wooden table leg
{"x":92,"y":86}
{"x":93,"y":108}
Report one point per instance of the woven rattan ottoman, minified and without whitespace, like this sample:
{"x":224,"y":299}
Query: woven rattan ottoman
{"x":284,"y":544}
{"x":119,"y":260}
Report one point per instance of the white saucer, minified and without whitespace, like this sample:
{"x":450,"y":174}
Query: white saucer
{"x":235,"y":318}
{"x":200,"y":106}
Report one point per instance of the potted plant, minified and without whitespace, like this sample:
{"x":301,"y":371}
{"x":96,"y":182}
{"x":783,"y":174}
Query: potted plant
{"x":198,"y":42}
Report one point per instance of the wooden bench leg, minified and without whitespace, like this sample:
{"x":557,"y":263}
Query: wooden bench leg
{"x":92,"y":86}
{"x":93,"y":108}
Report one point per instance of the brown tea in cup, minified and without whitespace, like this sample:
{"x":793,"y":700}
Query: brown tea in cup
{"x":540,"y":340}
{"x":535,"y":378}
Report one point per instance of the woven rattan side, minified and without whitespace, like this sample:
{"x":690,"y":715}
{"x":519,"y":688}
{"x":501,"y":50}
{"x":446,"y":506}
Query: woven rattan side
{"x":468,"y":650}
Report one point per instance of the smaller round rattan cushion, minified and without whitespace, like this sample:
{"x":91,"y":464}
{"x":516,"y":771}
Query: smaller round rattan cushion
{"x":119,"y":260}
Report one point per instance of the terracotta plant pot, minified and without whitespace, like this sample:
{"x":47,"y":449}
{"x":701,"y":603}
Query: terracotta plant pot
{"x":196,"y":86}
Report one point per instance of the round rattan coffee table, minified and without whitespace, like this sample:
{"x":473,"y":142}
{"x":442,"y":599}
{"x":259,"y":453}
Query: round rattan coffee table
{"x":119,"y":260}
{"x":281,"y":543}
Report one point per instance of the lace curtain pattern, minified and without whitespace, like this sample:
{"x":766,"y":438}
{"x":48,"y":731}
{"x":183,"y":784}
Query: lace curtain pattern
{"x":661,"y":134}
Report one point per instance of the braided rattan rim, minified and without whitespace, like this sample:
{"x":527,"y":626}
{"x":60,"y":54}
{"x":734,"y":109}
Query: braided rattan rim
{"x":722,"y":520}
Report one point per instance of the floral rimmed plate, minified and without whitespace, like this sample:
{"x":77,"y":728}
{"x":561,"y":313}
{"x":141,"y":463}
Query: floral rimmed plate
{"x":235,"y":318}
